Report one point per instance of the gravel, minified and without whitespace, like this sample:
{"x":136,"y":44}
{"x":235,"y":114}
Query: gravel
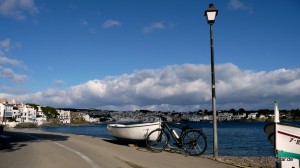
{"x":253,"y":162}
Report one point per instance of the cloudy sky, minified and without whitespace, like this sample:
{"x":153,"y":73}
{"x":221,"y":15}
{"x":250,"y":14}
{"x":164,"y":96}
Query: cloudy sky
{"x":150,"y":54}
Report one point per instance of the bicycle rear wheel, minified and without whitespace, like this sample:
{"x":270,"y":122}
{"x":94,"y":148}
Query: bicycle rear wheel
{"x":194,"y":142}
{"x":157,"y":140}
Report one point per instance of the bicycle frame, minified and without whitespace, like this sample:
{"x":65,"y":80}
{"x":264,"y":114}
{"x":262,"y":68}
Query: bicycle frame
{"x":165,"y":126}
{"x":193,"y":141}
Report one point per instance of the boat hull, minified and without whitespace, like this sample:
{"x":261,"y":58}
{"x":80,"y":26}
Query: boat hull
{"x":287,"y":141}
{"x":133,"y":132}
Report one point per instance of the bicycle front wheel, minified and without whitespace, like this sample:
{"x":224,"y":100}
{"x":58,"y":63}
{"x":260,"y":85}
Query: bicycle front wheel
{"x":157,"y":140}
{"x":194,"y":142}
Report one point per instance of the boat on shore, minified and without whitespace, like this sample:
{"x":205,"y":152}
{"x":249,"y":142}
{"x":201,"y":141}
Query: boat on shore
{"x":285,"y":138}
{"x":132,"y":132}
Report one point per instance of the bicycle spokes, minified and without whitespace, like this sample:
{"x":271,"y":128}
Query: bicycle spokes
{"x":194,"y":142}
{"x":157,"y":140}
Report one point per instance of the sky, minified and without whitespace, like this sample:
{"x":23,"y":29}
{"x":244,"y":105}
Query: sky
{"x":150,"y":54}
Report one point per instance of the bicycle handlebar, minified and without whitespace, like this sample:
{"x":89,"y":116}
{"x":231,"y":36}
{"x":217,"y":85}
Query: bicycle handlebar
{"x":183,"y":127}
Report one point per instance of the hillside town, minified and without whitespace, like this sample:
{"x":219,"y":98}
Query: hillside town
{"x":13,"y":113}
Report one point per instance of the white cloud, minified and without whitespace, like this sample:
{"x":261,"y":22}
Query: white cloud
{"x":7,"y":61}
{"x":239,"y":5}
{"x":236,"y":4}
{"x":154,"y":26}
{"x":6,"y":64}
{"x":18,"y":9}
{"x":111,"y":23}
{"x":179,"y":87}
{"x":8,"y":73}
{"x":14,"y":90}
{"x":59,"y":83}
{"x":5,"y":45}
{"x":83,"y":22}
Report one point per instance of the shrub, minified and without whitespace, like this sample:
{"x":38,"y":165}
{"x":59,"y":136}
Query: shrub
{"x":26,"y":125}
{"x":52,"y":124}
{"x":79,"y":122}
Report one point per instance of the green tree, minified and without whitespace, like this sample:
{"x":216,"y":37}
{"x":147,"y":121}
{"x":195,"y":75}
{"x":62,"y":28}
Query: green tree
{"x":241,"y":110}
{"x":50,"y":112}
{"x":35,"y":106}
{"x":295,"y":113}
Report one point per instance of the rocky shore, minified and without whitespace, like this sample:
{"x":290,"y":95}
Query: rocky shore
{"x":253,"y":162}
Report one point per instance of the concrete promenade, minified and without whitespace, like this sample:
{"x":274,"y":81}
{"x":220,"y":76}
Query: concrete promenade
{"x":28,"y":148}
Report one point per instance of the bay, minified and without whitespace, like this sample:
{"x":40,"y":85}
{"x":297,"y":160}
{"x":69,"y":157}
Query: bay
{"x":234,"y":138}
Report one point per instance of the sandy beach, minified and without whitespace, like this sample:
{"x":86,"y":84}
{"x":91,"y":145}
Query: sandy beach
{"x":34,"y":148}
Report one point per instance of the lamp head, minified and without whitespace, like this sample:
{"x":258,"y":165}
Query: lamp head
{"x":211,"y":14}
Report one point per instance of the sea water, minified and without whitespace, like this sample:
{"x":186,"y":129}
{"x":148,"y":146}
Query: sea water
{"x":234,"y":138}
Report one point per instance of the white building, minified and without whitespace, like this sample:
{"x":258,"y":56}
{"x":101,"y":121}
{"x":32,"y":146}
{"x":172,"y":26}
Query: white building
{"x":8,"y":111}
{"x":196,"y":118}
{"x":225,"y":116}
{"x":64,"y":116}
{"x":2,"y":108}
{"x":12,"y":113}
{"x":90,"y":119}
{"x":27,"y":113}
{"x":239,"y":116}
{"x":208,"y":117}
{"x":252,"y":116}
{"x":128,"y":119}
{"x":16,"y":112}
{"x":262,"y":116}
{"x":40,"y":116}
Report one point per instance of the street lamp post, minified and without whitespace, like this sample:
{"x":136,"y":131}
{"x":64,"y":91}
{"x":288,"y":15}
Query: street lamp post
{"x":211,"y":14}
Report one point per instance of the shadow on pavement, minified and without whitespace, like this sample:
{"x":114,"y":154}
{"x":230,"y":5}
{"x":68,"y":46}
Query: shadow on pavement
{"x":126,"y":143}
{"x":14,"y":140}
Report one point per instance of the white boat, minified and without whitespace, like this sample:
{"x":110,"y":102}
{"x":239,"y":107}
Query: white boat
{"x":285,"y":138}
{"x":132,"y":132}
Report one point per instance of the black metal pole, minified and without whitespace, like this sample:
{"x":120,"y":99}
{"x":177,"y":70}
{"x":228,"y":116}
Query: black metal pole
{"x":213,"y":91}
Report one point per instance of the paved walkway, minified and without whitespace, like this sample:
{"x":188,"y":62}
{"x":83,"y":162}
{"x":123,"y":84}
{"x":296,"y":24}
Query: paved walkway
{"x":28,"y":148}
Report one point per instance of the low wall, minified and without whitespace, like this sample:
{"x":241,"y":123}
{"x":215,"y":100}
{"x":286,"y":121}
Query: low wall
{"x":11,"y":124}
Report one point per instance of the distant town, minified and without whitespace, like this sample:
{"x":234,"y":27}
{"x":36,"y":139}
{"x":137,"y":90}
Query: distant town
{"x":12,"y":114}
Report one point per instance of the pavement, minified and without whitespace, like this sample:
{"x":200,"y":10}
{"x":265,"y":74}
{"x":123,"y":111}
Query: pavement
{"x":31,"y":148}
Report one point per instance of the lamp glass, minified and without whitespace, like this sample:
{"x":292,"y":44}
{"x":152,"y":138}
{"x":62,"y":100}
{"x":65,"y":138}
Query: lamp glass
{"x":211,"y":16}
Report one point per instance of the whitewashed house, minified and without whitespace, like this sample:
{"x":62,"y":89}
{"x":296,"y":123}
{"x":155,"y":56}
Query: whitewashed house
{"x":16,"y":112}
{"x":151,"y":119}
{"x":27,"y":113}
{"x":128,"y":119}
{"x":196,"y":118}
{"x":239,"y":116}
{"x":252,"y":116}
{"x":208,"y":117}
{"x":90,"y":119}
{"x":64,"y":116}
{"x":8,"y":111}
{"x":2,"y":108}
{"x":225,"y":116}
{"x":262,"y":116}
{"x":270,"y":115}
{"x":40,"y":116}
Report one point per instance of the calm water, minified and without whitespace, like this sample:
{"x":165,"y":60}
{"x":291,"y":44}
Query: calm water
{"x":234,"y":138}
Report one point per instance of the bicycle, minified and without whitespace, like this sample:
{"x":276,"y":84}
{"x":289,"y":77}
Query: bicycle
{"x":193,"y":141}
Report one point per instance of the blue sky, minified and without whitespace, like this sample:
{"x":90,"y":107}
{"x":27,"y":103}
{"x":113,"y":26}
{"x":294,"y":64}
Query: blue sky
{"x":149,"y":54}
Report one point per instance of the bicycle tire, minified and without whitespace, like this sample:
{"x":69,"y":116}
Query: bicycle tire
{"x":194,"y":142}
{"x":157,"y":140}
